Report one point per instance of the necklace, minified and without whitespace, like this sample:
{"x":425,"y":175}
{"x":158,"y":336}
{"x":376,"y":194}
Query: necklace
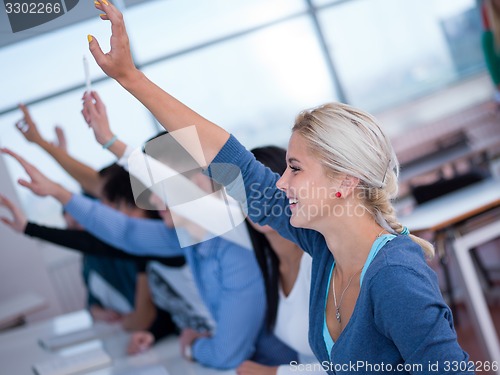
{"x":337,"y":307}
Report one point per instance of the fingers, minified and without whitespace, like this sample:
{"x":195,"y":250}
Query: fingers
{"x":117,"y":63}
{"x":21,"y":161}
{"x":26,"y":112}
{"x":85,"y":116}
{"x":4,"y":201}
{"x":87,"y":106}
{"x":29,"y":168}
{"x":98,"y":102}
{"x":91,"y":108}
{"x":6,"y":221}
{"x":85,"y":112}
{"x":61,"y":138}
{"x":26,"y":184}
{"x":115,"y":17}
{"x":22,"y":126}
{"x":96,"y":51}
{"x":19,"y":221}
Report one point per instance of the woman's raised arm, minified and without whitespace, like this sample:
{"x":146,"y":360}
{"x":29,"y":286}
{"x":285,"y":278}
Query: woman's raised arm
{"x":171,"y":113}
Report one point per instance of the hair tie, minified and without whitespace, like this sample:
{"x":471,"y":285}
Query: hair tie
{"x":405,"y":231}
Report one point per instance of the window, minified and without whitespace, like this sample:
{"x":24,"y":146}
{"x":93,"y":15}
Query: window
{"x":255,"y":85}
{"x":248,"y":65}
{"x":389,"y":51}
{"x":164,"y":27}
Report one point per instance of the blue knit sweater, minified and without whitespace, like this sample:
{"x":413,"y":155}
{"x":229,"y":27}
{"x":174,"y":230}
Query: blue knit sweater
{"x":400,"y":321}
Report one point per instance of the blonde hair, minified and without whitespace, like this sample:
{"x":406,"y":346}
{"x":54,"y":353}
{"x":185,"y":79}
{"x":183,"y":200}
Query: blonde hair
{"x":348,"y":140}
{"x":493,"y":14}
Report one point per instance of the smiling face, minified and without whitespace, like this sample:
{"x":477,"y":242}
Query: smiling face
{"x":310,"y":191}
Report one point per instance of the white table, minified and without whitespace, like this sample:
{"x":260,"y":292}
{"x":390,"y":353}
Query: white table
{"x":19,"y":350}
{"x":447,"y":213}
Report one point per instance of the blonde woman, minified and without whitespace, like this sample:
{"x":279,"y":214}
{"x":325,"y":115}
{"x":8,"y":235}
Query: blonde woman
{"x":491,"y":42}
{"x":375,"y":305}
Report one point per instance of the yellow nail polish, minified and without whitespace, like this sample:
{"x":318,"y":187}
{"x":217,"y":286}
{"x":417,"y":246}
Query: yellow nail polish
{"x":97,"y":3}
{"x":105,"y":2}
{"x":89,"y":38}
{"x":102,"y":15}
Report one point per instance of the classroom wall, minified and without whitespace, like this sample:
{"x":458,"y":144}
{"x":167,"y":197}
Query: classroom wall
{"x":25,"y":263}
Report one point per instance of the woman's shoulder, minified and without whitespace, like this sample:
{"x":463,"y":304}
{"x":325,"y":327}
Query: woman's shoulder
{"x":399,"y":258}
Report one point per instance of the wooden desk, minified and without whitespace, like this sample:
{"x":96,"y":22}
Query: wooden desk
{"x":453,"y":208}
{"x":19,"y":350}
{"x":438,"y":160}
{"x":446,"y":214}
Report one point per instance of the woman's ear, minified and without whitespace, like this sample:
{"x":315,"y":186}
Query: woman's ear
{"x":348,"y":185}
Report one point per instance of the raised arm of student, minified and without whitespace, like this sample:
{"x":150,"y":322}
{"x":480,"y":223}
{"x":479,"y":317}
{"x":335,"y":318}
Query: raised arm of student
{"x":39,"y":184}
{"x":95,"y":115}
{"x":136,"y":236}
{"x":87,"y":177}
{"x":172,"y":114}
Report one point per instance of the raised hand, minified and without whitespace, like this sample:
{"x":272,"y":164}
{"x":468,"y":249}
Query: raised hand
{"x":40,"y":184}
{"x":18,"y":221}
{"x":94,"y":113}
{"x":27,"y":126}
{"x":117,"y":63}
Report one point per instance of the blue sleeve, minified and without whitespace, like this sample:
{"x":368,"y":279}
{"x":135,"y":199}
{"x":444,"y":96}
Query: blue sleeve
{"x":264,"y":202}
{"x":241,"y":312}
{"x":410,"y":311}
{"x":135,"y":236}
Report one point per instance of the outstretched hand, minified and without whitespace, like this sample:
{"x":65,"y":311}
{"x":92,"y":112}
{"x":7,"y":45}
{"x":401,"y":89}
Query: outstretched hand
{"x":18,"y":221}
{"x":94,"y":113}
{"x":27,"y":126}
{"x":40,"y":184}
{"x":117,"y":63}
